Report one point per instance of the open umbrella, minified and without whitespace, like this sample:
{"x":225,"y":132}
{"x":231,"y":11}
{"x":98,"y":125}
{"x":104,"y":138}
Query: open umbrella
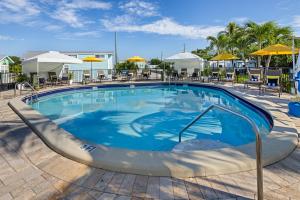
{"x":92,"y":59}
{"x":276,"y":49}
{"x":224,"y":56}
{"x":136,"y":59}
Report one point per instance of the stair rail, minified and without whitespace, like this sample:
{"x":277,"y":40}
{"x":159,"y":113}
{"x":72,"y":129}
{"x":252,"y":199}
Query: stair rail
{"x":25,"y":83}
{"x":258,"y":143}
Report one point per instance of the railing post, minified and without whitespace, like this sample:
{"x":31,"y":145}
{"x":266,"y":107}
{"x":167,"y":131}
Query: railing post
{"x":258,"y":142}
{"x":259,"y":169}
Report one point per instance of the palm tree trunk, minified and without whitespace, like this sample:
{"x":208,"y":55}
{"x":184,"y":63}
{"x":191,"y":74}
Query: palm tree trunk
{"x":259,"y":57}
{"x":268,"y":61}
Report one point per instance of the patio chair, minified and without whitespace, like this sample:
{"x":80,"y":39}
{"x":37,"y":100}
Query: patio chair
{"x":100,"y":75}
{"x":125,"y":75}
{"x":86,"y":76}
{"x":174,"y":75}
{"x":229,"y":75}
{"x":255,"y":78}
{"x":53,"y":78}
{"x":42,"y":82}
{"x":64,"y":80}
{"x":146,"y":74}
{"x":215,"y":75}
{"x":272,"y":81}
{"x":183,"y":74}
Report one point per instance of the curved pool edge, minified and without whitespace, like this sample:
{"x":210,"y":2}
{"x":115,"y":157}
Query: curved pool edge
{"x":278,"y":144}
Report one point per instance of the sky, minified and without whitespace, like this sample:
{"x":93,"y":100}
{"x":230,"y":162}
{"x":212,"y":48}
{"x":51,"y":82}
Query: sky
{"x":147,"y":28}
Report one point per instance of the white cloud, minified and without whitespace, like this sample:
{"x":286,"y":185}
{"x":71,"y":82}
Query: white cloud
{"x":17,"y":11}
{"x":296,"y":21}
{"x":53,"y":27}
{"x":88,"y":4}
{"x":67,"y":11}
{"x":164,"y":26}
{"x":140,"y":8}
{"x":5,"y":37}
{"x":240,"y":20}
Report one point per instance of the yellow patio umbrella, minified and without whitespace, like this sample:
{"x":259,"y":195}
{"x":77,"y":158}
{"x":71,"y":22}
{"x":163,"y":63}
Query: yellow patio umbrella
{"x":224,"y":56}
{"x":136,"y":59}
{"x":92,"y":59}
{"x":276,"y":49}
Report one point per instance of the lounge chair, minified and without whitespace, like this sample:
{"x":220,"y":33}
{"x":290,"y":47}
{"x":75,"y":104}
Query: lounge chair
{"x":272,"y":81}
{"x":215,"y":75}
{"x":195,"y":76}
{"x":64,"y":80}
{"x":146,"y":74}
{"x":53,"y":78}
{"x":125,"y":75}
{"x":100,"y":75}
{"x":255,"y":78}
{"x":86,"y":76}
{"x":183,"y":74}
{"x":229,"y":75}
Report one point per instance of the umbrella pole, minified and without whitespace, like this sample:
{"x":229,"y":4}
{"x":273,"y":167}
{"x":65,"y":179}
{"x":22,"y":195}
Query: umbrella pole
{"x":91,"y":72}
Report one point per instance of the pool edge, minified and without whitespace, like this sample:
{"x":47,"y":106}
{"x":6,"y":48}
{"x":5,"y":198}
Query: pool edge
{"x":186,"y":164}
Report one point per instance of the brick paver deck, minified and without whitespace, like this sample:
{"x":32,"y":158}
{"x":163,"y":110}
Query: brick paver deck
{"x":30,"y":170}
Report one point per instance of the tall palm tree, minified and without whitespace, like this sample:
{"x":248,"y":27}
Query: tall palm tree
{"x":219,"y":43}
{"x":231,"y":31}
{"x":260,"y":33}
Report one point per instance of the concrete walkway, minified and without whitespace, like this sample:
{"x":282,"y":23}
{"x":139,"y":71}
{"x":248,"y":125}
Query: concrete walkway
{"x":30,"y":170}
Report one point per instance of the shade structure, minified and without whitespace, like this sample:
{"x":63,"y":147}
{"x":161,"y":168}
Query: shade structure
{"x":224,"y":56}
{"x":51,"y":61}
{"x":186,"y":60}
{"x":276,"y":49}
{"x":92,"y":59}
{"x":136,"y":59}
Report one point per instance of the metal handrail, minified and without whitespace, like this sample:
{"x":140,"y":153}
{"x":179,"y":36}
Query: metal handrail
{"x":34,"y":92}
{"x":258,"y":143}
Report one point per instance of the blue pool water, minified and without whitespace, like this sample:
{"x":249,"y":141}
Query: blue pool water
{"x":150,"y":117}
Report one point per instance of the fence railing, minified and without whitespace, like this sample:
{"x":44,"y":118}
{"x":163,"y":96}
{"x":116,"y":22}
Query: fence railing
{"x":78,"y":76}
{"x":7,"y":78}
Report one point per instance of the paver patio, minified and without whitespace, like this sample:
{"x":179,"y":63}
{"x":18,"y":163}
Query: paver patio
{"x":30,"y":170}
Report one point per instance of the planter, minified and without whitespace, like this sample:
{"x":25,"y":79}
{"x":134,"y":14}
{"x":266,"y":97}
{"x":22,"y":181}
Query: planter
{"x":20,"y":86}
{"x":70,"y":82}
{"x":294,"y":109}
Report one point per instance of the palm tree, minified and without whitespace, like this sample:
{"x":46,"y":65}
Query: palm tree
{"x":231,"y":31}
{"x":260,"y":33}
{"x":219,"y":43}
{"x":278,"y":35}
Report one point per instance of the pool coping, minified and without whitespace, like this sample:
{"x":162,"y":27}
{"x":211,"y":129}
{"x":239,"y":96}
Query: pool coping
{"x":281,"y":141}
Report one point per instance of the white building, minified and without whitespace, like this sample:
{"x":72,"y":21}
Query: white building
{"x":187,"y":62}
{"x":77,"y":69}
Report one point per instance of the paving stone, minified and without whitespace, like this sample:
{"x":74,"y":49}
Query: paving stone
{"x":153,"y":188}
{"x":127,"y":185}
{"x":104,"y":181}
{"x":6,"y":196}
{"x":179,"y":189}
{"x":140,"y":186}
{"x":107,"y":196}
{"x":115,"y":183}
{"x":165,"y":188}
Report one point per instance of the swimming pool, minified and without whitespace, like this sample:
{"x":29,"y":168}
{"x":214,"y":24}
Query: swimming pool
{"x":150,"y":117}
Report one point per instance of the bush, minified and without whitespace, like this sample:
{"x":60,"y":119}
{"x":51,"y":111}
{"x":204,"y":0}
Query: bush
{"x":21,"y":78}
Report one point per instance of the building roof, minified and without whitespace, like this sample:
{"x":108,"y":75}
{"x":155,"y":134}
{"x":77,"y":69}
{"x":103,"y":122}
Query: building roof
{"x":30,"y":54}
{"x":2,"y":57}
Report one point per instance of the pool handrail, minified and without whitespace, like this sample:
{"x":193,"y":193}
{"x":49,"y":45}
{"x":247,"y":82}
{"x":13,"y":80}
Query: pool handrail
{"x":33,"y":91}
{"x":258,"y":143}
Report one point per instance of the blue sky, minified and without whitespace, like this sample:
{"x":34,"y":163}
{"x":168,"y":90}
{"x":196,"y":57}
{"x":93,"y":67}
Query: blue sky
{"x":144,"y":27}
